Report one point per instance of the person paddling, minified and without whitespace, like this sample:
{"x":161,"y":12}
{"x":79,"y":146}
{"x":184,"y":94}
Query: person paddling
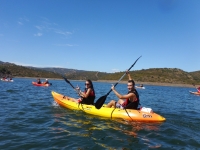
{"x":88,"y":96}
{"x":141,"y":85}
{"x":198,"y":89}
{"x":38,"y":81}
{"x":46,"y":82}
{"x":128,"y":101}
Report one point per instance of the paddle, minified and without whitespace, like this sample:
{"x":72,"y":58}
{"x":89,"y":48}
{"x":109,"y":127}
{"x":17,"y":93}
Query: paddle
{"x":71,"y":85}
{"x":99,"y":103}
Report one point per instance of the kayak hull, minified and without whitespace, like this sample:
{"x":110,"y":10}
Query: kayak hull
{"x":196,"y":93}
{"x":138,"y":87}
{"x":36,"y":84}
{"x":6,"y":80}
{"x":131,"y":115}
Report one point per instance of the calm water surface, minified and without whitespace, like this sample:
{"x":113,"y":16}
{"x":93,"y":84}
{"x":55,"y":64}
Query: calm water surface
{"x":30,"y":119}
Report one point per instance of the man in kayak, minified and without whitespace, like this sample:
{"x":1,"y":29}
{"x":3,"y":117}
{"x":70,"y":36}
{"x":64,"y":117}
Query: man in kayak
{"x":128,"y":101}
{"x":46,"y":82}
{"x":88,"y":96}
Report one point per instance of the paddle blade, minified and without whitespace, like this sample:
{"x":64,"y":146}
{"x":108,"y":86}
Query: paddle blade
{"x":99,"y":103}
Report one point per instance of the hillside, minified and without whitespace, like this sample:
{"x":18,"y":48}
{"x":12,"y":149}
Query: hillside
{"x":161,"y":75}
{"x":157,"y":75}
{"x":12,"y":70}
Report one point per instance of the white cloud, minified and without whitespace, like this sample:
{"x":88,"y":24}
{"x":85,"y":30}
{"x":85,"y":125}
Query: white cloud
{"x":22,"y":20}
{"x":63,"y":32}
{"x":38,"y":34}
{"x":114,"y":70}
{"x":20,"y":23}
{"x":47,"y":26}
{"x":39,"y":27}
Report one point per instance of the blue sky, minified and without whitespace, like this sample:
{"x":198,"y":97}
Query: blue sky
{"x":101,"y":35}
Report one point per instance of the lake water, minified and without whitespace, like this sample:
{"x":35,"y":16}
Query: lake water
{"x":30,"y":119}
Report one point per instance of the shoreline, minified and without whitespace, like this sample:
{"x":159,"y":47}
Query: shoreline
{"x":149,"y":83}
{"x":124,"y":82}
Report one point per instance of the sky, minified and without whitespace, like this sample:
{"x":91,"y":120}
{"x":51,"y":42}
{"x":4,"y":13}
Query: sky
{"x":101,"y":35}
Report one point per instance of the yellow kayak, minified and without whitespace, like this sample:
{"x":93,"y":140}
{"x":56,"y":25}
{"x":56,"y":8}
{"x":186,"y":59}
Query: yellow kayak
{"x":128,"y":114}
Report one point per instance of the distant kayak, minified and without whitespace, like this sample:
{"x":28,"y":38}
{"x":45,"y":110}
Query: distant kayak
{"x":36,"y":84}
{"x":139,"y":87}
{"x":196,"y":93}
{"x":6,"y":80}
{"x":129,"y":114}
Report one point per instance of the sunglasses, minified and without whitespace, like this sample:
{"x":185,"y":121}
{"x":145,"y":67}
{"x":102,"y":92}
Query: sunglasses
{"x":129,"y":85}
{"x":87,"y":84}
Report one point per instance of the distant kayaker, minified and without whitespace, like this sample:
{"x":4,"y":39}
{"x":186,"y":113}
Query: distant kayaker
{"x":38,"y":81}
{"x":88,"y":96}
{"x":141,"y":85}
{"x":128,"y":101}
{"x":198,"y":89}
{"x":46,"y":81}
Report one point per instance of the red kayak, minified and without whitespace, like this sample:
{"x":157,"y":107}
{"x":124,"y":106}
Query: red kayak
{"x":36,"y":84}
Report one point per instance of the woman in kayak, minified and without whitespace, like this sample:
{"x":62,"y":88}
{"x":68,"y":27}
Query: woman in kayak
{"x":128,"y":101}
{"x":88,"y":96}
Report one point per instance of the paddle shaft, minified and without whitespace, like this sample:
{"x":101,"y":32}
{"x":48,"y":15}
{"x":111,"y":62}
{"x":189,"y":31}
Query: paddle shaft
{"x":99,"y":103}
{"x":123,"y":76}
{"x":71,"y":85}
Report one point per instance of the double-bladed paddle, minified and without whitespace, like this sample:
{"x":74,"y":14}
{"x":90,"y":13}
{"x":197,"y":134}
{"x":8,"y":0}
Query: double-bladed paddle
{"x":71,"y":85}
{"x":99,"y":103}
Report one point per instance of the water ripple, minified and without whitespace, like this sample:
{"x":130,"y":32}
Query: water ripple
{"x":30,"y":119}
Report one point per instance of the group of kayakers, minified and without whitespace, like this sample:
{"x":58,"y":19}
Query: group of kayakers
{"x":128,"y":101}
{"x":7,"y":79}
{"x":45,"y":82}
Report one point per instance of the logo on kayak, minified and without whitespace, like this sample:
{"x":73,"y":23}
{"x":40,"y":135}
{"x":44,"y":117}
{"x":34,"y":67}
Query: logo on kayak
{"x":87,"y":108}
{"x":147,"y":116}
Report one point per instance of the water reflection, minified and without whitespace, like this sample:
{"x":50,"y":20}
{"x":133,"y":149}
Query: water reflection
{"x":101,"y":130}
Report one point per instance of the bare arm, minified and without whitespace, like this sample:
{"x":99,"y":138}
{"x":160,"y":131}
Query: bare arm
{"x":85,"y":95}
{"x":129,"y":76}
{"x":122,"y":96}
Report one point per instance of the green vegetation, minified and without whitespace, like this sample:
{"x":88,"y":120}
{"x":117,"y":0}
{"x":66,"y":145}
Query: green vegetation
{"x":158,"y":75}
{"x":12,"y":70}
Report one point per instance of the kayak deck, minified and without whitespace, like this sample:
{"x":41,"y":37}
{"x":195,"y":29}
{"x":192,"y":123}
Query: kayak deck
{"x":128,"y":114}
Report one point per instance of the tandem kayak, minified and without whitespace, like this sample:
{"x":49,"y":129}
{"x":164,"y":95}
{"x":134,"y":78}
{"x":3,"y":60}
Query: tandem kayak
{"x":36,"y":84}
{"x":196,"y":93}
{"x":128,"y":114}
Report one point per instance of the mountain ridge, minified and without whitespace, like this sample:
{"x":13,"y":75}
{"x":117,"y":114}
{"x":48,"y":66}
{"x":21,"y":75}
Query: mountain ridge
{"x":162,"y":75}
